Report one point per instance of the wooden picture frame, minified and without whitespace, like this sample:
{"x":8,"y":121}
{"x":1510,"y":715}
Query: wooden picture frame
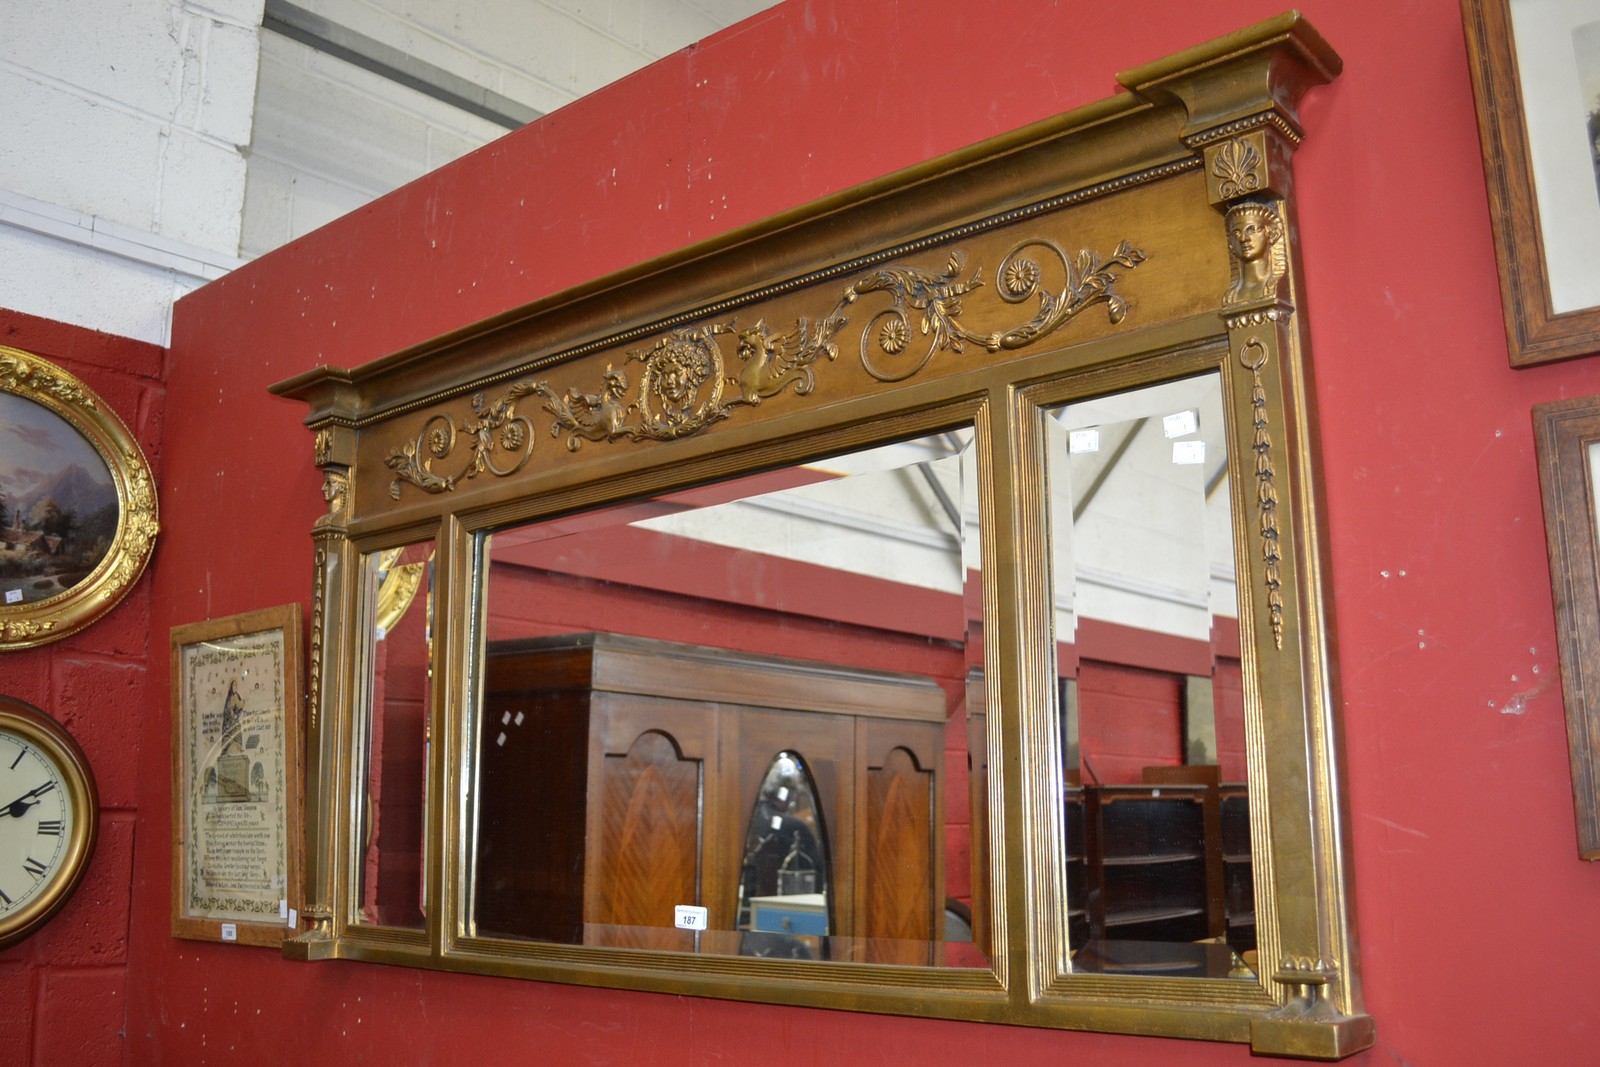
{"x":1544,"y":187}
{"x":1567,"y":433}
{"x":77,"y":504}
{"x":236,"y":777}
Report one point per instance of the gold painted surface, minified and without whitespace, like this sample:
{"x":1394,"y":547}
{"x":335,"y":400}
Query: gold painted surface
{"x":34,"y":622}
{"x":1135,"y":241}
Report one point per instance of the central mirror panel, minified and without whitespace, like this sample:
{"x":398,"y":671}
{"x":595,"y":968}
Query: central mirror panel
{"x":1155,"y":800}
{"x":748,"y":697}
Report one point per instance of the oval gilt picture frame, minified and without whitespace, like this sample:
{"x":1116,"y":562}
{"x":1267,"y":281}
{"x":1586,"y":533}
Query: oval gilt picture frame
{"x":77,"y":504}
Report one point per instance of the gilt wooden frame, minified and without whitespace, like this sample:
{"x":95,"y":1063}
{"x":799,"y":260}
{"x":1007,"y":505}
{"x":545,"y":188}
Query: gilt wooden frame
{"x":974,"y":291}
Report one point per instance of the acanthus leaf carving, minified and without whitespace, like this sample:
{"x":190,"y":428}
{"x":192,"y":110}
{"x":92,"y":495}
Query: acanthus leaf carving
{"x":493,"y":428}
{"x":683,"y":385}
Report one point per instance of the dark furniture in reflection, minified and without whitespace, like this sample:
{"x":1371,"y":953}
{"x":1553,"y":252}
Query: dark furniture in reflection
{"x":1147,"y":862}
{"x":1163,"y":862}
{"x":617,"y":775}
{"x":1238,"y":875}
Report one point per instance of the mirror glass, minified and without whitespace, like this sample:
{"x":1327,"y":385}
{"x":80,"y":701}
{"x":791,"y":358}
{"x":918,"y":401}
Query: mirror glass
{"x":662,"y":679}
{"x":1151,"y":709}
{"x":399,"y":606}
{"x":783,"y":878}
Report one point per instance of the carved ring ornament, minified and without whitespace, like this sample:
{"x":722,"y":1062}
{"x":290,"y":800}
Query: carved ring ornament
{"x":826,"y":329}
{"x":683,"y":383}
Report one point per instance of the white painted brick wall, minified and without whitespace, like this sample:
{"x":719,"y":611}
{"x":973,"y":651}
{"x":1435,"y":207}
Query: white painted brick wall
{"x":329,"y":136}
{"x":142,"y":156}
{"x":131,"y":115}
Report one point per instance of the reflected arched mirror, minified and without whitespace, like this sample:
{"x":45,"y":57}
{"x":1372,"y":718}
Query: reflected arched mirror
{"x":784,"y":873}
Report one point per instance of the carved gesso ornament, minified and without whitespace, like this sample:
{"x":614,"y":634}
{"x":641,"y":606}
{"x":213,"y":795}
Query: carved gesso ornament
{"x":683,"y":383}
{"x":1257,"y":256}
{"x":1253,"y":356}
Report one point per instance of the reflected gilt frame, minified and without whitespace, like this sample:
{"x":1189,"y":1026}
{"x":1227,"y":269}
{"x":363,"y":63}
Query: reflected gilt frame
{"x":1508,"y":129}
{"x":1143,"y":238}
{"x":50,"y":397}
{"x":237,"y":704}
{"x":1567,"y":436}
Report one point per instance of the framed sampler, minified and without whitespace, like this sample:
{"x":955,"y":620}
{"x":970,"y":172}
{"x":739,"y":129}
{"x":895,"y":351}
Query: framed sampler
{"x":236,"y":780}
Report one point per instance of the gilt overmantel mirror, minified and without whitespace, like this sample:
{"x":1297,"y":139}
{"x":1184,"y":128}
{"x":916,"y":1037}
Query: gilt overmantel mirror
{"x":910,"y":604}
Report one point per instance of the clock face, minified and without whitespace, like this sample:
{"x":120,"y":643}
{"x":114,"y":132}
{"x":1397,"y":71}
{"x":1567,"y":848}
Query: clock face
{"x":48,"y":813}
{"x":36,"y":823}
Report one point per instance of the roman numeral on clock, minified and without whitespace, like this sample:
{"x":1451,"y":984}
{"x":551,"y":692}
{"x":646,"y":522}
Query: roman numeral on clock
{"x":51,"y":827}
{"x":20,"y":753}
{"x":33,"y":867}
{"x":5,"y":898}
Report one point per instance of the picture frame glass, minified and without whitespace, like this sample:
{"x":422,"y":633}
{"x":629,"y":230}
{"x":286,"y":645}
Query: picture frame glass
{"x":58,"y":504}
{"x":1558,"y":64}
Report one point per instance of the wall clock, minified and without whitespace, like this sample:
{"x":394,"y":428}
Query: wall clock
{"x":48,"y":815}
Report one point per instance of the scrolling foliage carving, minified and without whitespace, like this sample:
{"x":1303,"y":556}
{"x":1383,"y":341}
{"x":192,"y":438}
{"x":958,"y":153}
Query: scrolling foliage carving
{"x":683,"y":384}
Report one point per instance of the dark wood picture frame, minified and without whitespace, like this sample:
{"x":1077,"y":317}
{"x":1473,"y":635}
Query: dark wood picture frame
{"x":256,"y":727}
{"x":1567,"y":433}
{"x":1535,"y":333}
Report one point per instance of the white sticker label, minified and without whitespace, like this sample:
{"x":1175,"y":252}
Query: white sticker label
{"x":689,"y":917}
{"x":294,"y":919}
{"x":777,"y":822}
{"x":1181,"y":423}
{"x":1188,"y":451}
{"x":230,"y":932}
{"x":283,"y":909}
{"x":13,"y":596}
{"x":1083,"y":441}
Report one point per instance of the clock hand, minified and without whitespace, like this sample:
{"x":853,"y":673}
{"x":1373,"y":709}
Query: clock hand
{"x":26,"y":801}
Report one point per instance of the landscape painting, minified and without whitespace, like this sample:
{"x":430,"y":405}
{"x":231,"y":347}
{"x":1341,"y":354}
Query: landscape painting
{"x":58,"y":504}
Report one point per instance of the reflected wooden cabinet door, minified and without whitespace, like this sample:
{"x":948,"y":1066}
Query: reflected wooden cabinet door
{"x":617,"y":775}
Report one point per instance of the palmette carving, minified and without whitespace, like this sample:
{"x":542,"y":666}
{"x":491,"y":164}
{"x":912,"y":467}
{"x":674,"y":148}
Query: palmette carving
{"x":1238,"y":169}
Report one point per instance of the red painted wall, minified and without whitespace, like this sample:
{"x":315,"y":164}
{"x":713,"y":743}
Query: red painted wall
{"x":64,"y":990}
{"x":1459,"y":812}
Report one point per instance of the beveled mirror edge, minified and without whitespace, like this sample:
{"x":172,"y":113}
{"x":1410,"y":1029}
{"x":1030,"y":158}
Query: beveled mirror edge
{"x":1264,"y":70}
